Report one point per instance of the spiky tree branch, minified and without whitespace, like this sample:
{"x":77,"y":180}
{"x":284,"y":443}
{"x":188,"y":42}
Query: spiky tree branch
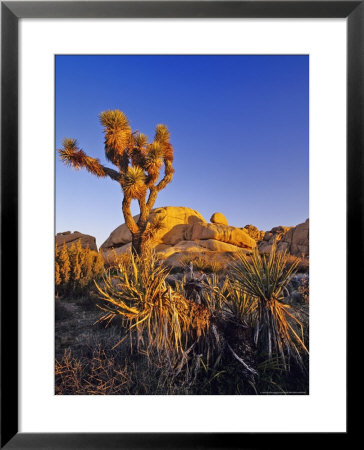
{"x":72,"y":156}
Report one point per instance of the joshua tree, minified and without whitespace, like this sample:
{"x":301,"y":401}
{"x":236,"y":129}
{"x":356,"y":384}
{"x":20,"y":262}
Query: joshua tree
{"x":138,"y":163}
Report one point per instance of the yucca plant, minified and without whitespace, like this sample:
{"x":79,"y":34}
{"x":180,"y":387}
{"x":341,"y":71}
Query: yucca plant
{"x":138,"y":169}
{"x":264,"y":278}
{"x":160,"y":318}
{"x":239,"y":305}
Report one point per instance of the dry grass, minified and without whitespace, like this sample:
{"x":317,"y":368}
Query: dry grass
{"x":99,"y":375}
{"x":114,"y":260}
{"x":202,"y":264}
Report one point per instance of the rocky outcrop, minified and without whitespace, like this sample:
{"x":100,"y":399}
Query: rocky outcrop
{"x":183,"y":231}
{"x":174,"y":220}
{"x":219,"y":218}
{"x":218,"y":246}
{"x":72,"y":238}
{"x":223,"y":233}
{"x":300,"y":239}
{"x":254,"y":232}
{"x":294,"y":240}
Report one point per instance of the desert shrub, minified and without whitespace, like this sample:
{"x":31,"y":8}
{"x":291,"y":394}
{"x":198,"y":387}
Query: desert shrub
{"x":161,"y":318}
{"x":104,"y":372}
{"x":76,"y":268}
{"x":113,"y":260}
{"x":152,"y":344}
{"x":189,"y":342}
{"x":237,"y":341}
{"x":277,"y":332}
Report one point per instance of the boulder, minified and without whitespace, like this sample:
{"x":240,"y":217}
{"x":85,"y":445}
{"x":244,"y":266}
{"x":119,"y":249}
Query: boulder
{"x":119,"y":237}
{"x":267,"y":236}
{"x":280,"y":229}
{"x":187,"y":246}
{"x":209,"y":248}
{"x":300,"y":239}
{"x":162,"y":247}
{"x":184,"y":231}
{"x":223,"y":233}
{"x":182,"y":249}
{"x":219,"y":218}
{"x":72,"y":238}
{"x":287,"y":237}
{"x":294,"y":240}
{"x":283,"y":246}
{"x":254,"y":232}
{"x":174,"y":220}
{"x":217,"y":246}
{"x":265,"y":247}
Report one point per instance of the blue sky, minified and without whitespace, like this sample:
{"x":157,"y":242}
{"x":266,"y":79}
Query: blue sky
{"x":238,"y":124}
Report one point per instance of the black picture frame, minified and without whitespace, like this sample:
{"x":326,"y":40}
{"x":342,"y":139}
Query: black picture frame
{"x":11,"y":12}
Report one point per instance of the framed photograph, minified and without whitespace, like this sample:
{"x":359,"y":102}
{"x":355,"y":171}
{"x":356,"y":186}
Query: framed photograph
{"x":182,"y":184}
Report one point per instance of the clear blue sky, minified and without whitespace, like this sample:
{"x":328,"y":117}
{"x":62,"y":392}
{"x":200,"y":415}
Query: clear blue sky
{"x":239,"y":127}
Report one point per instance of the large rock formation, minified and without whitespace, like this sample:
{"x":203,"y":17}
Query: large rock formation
{"x":184,"y":231}
{"x":174,"y":219}
{"x":72,"y":238}
{"x":219,"y":232}
{"x":293,"y":239}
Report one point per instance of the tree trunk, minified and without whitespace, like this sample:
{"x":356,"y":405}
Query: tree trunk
{"x":139,"y":244}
